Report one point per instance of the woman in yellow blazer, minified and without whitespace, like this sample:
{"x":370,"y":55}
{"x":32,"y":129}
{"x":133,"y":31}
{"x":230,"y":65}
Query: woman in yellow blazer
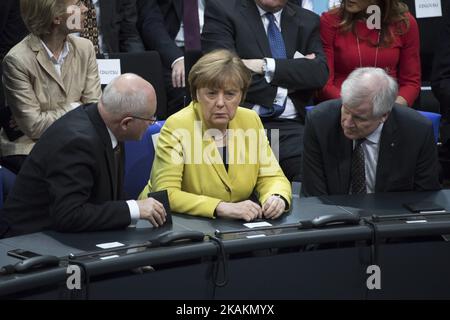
{"x":47,"y":74}
{"x":212,"y":155}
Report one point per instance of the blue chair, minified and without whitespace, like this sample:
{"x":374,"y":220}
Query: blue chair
{"x":139,"y":160}
{"x":309,"y":108}
{"x":7,"y":179}
{"x":435,"y":119}
{"x":1,"y":187}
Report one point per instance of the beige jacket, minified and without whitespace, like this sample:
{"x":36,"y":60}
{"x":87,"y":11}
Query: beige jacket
{"x":37,"y":95}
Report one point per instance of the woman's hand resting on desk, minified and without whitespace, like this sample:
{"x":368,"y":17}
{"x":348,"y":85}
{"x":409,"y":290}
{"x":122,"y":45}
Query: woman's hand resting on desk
{"x":273,"y":207}
{"x":152,"y":211}
{"x":246,"y":210}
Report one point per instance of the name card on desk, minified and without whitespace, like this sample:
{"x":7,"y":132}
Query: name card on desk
{"x":252,"y":225}
{"x":108,"y":69}
{"x":109,"y":245}
{"x":428,"y":8}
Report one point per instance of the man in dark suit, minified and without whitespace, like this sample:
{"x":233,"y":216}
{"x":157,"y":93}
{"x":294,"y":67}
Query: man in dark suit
{"x":117,"y":26}
{"x":12,"y":28}
{"x":366,"y":144}
{"x":160,"y":25}
{"x":282,"y":85}
{"x":72,"y":180}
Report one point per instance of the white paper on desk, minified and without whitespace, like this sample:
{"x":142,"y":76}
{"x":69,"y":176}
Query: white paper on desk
{"x":256,"y":236}
{"x":428,"y":8}
{"x":298,"y":55}
{"x":252,"y":225}
{"x":109,"y":245}
{"x":109,"y":257}
{"x":108,"y":69}
{"x":416,"y":221}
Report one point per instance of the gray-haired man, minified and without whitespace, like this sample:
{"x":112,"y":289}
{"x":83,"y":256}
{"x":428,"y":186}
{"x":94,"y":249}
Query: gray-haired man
{"x":365,"y":143}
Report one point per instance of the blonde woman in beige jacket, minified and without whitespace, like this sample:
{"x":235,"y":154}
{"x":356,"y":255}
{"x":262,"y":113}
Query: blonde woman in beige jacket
{"x":47,"y":74}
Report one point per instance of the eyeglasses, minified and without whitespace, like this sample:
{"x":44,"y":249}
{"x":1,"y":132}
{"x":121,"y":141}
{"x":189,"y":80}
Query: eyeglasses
{"x":151,"y":120}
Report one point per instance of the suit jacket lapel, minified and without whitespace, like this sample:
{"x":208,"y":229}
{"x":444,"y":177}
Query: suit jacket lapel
{"x":178,"y":6}
{"x":288,"y":31}
{"x":67,"y":67}
{"x":388,"y":142}
{"x":345,"y":148}
{"x":44,"y":61}
{"x":100,"y":126}
{"x":250,"y":14}
{"x":213,"y":158}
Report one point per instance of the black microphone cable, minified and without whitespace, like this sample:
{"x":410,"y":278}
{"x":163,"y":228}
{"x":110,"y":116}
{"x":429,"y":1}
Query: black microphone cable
{"x":221,"y":261}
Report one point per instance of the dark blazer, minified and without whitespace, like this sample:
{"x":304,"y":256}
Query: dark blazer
{"x":440,"y":76}
{"x":407,"y":157}
{"x":158,"y":23}
{"x":429,"y":31}
{"x":118,"y":26}
{"x":67,"y":182}
{"x":12,"y":28}
{"x":236,"y":25}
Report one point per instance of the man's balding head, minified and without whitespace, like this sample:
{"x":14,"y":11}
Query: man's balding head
{"x":128,"y":105}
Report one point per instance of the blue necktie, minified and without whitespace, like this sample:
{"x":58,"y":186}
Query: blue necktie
{"x":278,"y":50}
{"x":276,"y":41}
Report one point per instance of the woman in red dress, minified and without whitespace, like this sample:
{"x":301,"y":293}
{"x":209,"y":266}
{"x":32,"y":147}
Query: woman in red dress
{"x":352,"y":39}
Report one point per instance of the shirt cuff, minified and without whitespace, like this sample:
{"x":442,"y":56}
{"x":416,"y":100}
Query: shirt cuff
{"x":270,"y":69}
{"x":176,"y":60}
{"x":134,"y":211}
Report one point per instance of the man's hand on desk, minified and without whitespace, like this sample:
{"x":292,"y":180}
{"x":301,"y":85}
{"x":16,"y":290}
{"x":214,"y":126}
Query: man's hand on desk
{"x":152,"y":211}
{"x":246,"y":210}
{"x":273,"y":207}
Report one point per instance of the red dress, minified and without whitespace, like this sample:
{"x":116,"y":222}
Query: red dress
{"x":401,"y":60}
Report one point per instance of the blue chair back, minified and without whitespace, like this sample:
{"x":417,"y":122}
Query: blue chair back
{"x":139,"y":160}
{"x":7,"y":179}
{"x":435,"y":120}
{"x":1,"y":187}
{"x":309,"y":108}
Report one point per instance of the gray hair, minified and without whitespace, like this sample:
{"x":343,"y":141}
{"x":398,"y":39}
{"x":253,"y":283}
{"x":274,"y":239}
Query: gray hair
{"x":124,"y":101}
{"x":370,"y":83}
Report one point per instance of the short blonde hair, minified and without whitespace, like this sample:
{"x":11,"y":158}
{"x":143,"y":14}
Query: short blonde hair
{"x":38,"y":15}
{"x":219,"y":69}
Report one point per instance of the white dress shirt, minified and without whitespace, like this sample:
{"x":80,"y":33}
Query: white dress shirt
{"x":371,"y":148}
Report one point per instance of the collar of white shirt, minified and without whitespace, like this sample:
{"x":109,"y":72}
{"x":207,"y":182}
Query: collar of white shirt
{"x":114,"y":141}
{"x":375,"y":136}
{"x":277,"y":14}
{"x":62,"y":56}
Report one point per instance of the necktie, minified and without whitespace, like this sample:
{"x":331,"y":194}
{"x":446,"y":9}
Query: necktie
{"x":276,"y":41}
{"x":118,"y":166}
{"x":90,"y":25}
{"x":278,"y":51}
{"x":358,"y":169}
{"x":191,"y":25}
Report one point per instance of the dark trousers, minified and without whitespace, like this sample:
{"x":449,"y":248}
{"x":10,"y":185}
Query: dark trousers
{"x":290,"y":145}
